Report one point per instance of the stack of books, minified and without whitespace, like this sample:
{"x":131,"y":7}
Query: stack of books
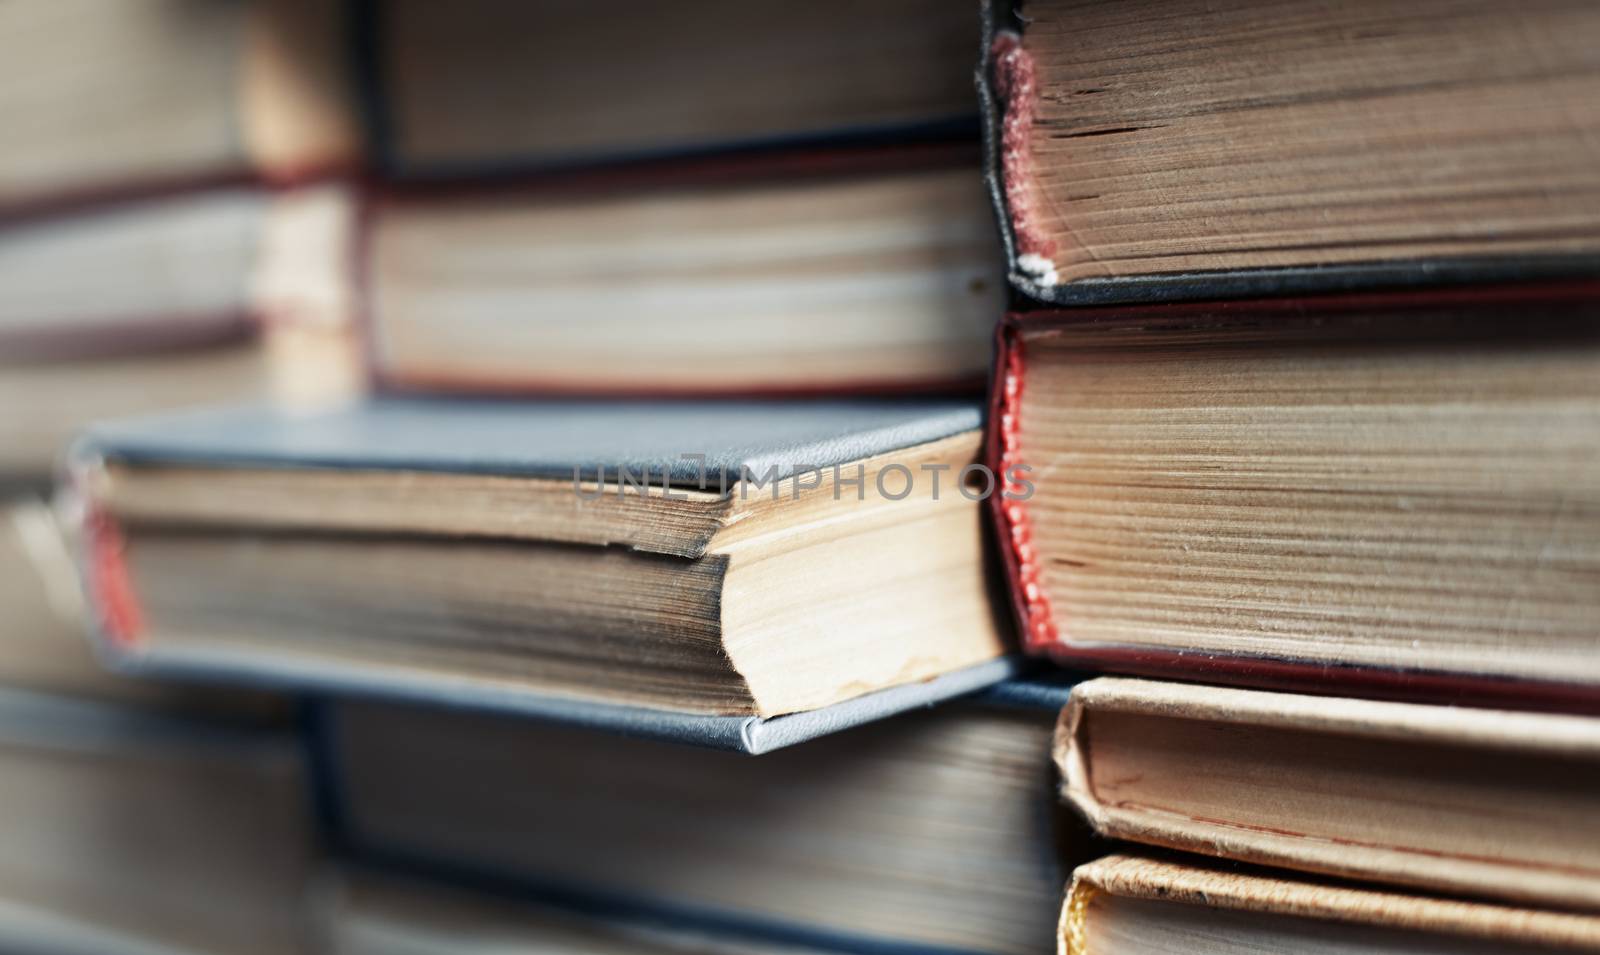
{"x":172,"y":224}
{"x":1305,"y":381}
{"x":172,"y":230}
{"x":679,"y":585}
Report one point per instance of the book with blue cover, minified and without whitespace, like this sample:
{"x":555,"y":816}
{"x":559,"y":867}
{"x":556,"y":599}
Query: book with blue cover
{"x":934,"y":832}
{"x":373,"y":910}
{"x":740,"y":574}
{"x":134,"y":831}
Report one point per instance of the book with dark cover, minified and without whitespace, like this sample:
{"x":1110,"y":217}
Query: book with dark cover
{"x":1389,"y":494}
{"x":1168,"y":150}
{"x":586,"y":561}
{"x":933,"y":832}
{"x":114,"y":815}
{"x":491,"y":87}
{"x":374,"y":910}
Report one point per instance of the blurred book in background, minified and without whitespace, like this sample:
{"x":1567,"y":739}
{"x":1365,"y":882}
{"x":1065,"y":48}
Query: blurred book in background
{"x":865,"y":271}
{"x":225,"y":294}
{"x":708,"y":199}
{"x":359,"y":910}
{"x":1127,"y":905}
{"x":145,"y":263}
{"x":931,"y":831}
{"x":128,"y":831}
{"x":125,"y":98}
{"x":43,"y":645}
{"x":498,"y":86}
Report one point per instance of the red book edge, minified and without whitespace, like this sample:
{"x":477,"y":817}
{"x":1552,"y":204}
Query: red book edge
{"x":1045,"y":634}
{"x":113,"y":601}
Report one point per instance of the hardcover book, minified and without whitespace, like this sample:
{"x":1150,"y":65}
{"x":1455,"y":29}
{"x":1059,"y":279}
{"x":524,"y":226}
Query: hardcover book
{"x":130,"y":831}
{"x":930,"y":832}
{"x":1126,"y":905}
{"x":697,"y":566}
{"x":1177,"y":149}
{"x":368,"y":910}
{"x":497,"y":85}
{"x":44,"y":646}
{"x":1456,"y":800}
{"x":821,"y":272}
{"x":128,"y":97}
{"x":140,"y":305}
{"x":1392,"y":493}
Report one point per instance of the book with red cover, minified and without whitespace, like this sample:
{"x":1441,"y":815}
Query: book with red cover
{"x":1393,"y":492}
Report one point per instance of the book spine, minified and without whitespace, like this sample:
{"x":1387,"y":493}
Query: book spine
{"x":1018,"y":554}
{"x":114,"y":607}
{"x":1016,"y":85}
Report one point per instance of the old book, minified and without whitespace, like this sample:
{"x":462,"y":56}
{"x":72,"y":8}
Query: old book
{"x":1464,"y":801}
{"x":492,"y":85}
{"x":1125,"y":905}
{"x":227,"y":293}
{"x":875,"y":271}
{"x":45,"y":644}
{"x":1172,"y":148}
{"x":1395,"y":492}
{"x":45,"y":647}
{"x":127,"y":831}
{"x":129,"y":97}
{"x":364,"y":910}
{"x":929,"y":832}
{"x":735,"y":560}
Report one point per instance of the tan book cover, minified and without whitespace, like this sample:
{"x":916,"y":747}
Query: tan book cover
{"x":1478,"y":802}
{"x":1375,"y":920}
